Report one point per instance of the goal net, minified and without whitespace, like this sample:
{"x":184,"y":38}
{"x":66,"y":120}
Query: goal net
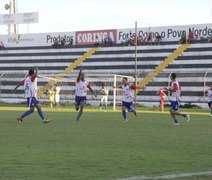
{"x":67,"y":88}
{"x":68,"y":83}
{"x":117,"y":93}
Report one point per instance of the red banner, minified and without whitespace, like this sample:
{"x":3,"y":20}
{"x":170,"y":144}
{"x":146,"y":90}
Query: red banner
{"x":92,"y":37}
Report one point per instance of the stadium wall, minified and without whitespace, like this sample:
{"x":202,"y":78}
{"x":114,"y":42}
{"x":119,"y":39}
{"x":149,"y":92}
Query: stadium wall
{"x":168,"y":33}
{"x":193,"y":69}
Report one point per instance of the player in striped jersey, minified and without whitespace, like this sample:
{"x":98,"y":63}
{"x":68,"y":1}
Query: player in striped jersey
{"x":127,"y":98}
{"x":30,"y":93}
{"x":175,"y":89}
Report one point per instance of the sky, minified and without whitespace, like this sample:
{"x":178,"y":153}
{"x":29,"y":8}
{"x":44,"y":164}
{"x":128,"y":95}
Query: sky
{"x":76,"y":15}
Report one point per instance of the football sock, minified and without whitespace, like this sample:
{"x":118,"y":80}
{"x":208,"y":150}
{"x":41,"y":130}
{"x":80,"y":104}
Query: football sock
{"x":40,"y":112}
{"x":132,"y":110}
{"x":184,"y":115}
{"x":124,"y":114}
{"x":176,"y":121}
{"x":78,"y":116}
{"x":26,"y":114}
{"x":77,"y":108}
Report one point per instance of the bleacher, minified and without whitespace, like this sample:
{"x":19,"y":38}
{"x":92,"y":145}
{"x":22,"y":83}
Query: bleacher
{"x":193,"y":69}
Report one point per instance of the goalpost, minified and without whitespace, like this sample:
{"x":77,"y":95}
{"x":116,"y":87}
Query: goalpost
{"x":117,"y":93}
{"x":67,"y":84}
{"x":111,"y":81}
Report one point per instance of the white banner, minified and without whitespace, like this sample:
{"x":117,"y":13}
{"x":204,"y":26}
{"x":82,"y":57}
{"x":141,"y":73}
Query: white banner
{"x":43,"y":39}
{"x":6,"y":19}
{"x":167,"y":33}
{"x":27,"y":18}
{"x":19,"y":18}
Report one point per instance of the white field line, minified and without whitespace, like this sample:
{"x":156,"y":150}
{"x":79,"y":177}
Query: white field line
{"x":171,"y":176}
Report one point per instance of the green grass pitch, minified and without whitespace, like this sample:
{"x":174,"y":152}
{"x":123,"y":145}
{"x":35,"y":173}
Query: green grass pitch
{"x":101,"y":146}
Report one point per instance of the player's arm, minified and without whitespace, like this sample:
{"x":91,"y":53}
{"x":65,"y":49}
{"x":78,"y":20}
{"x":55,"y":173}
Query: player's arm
{"x":170,"y":88}
{"x":118,"y":87}
{"x":36,"y":72}
{"x":164,"y":96}
{"x":159,"y":90}
{"x":91,"y":90}
{"x":17,"y":87}
{"x":107,"y":92}
{"x":20,"y":84}
{"x":79,"y":75}
{"x":205,"y":93}
{"x":33,"y":77}
{"x":133,"y":87}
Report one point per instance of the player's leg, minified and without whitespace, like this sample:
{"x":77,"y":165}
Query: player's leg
{"x":210,"y":106}
{"x":51,"y":104}
{"x":124,"y":113}
{"x":58,"y":105}
{"x":101,"y":103}
{"x":30,"y":111}
{"x":106,"y":99}
{"x":187,"y":116}
{"x":131,"y":109}
{"x":20,"y":119}
{"x":173,"y":110}
{"x":104,"y":102}
{"x":162,"y":106}
{"x":80,"y":110}
{"x":81,"y":107}
{"x":211,"y":110}
{"x":57,"y":101}
{"x":77,"y":103}
{"x":40,"y":112}
{"x":100,"y":106}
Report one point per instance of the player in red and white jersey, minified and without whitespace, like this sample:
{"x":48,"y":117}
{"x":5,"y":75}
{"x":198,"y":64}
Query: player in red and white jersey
{"x":175,"y":86}
{"x":81,"y":93}
{"x":30,"y":88}
{"x":127,"y":98}
{"x":175,"y":89}
{"x":209,"y":94}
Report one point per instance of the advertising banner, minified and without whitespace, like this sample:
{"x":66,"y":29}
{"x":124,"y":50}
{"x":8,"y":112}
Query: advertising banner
{"x":6,"y":19}
{"x":91,"y":37}
{"x":167,"y":33}
{"x":42,"y":39}
{"x":27,"y":18}
{"x":19,"y":18}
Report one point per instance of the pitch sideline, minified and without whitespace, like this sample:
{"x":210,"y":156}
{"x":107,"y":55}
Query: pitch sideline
{"x":171,"y":176}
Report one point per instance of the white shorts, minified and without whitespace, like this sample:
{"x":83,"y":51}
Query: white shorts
{"x":104,"y":99}
{"x":57,"y":98}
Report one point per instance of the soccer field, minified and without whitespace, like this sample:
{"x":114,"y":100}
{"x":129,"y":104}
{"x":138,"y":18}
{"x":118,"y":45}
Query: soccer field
{"x":101,"y":146}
